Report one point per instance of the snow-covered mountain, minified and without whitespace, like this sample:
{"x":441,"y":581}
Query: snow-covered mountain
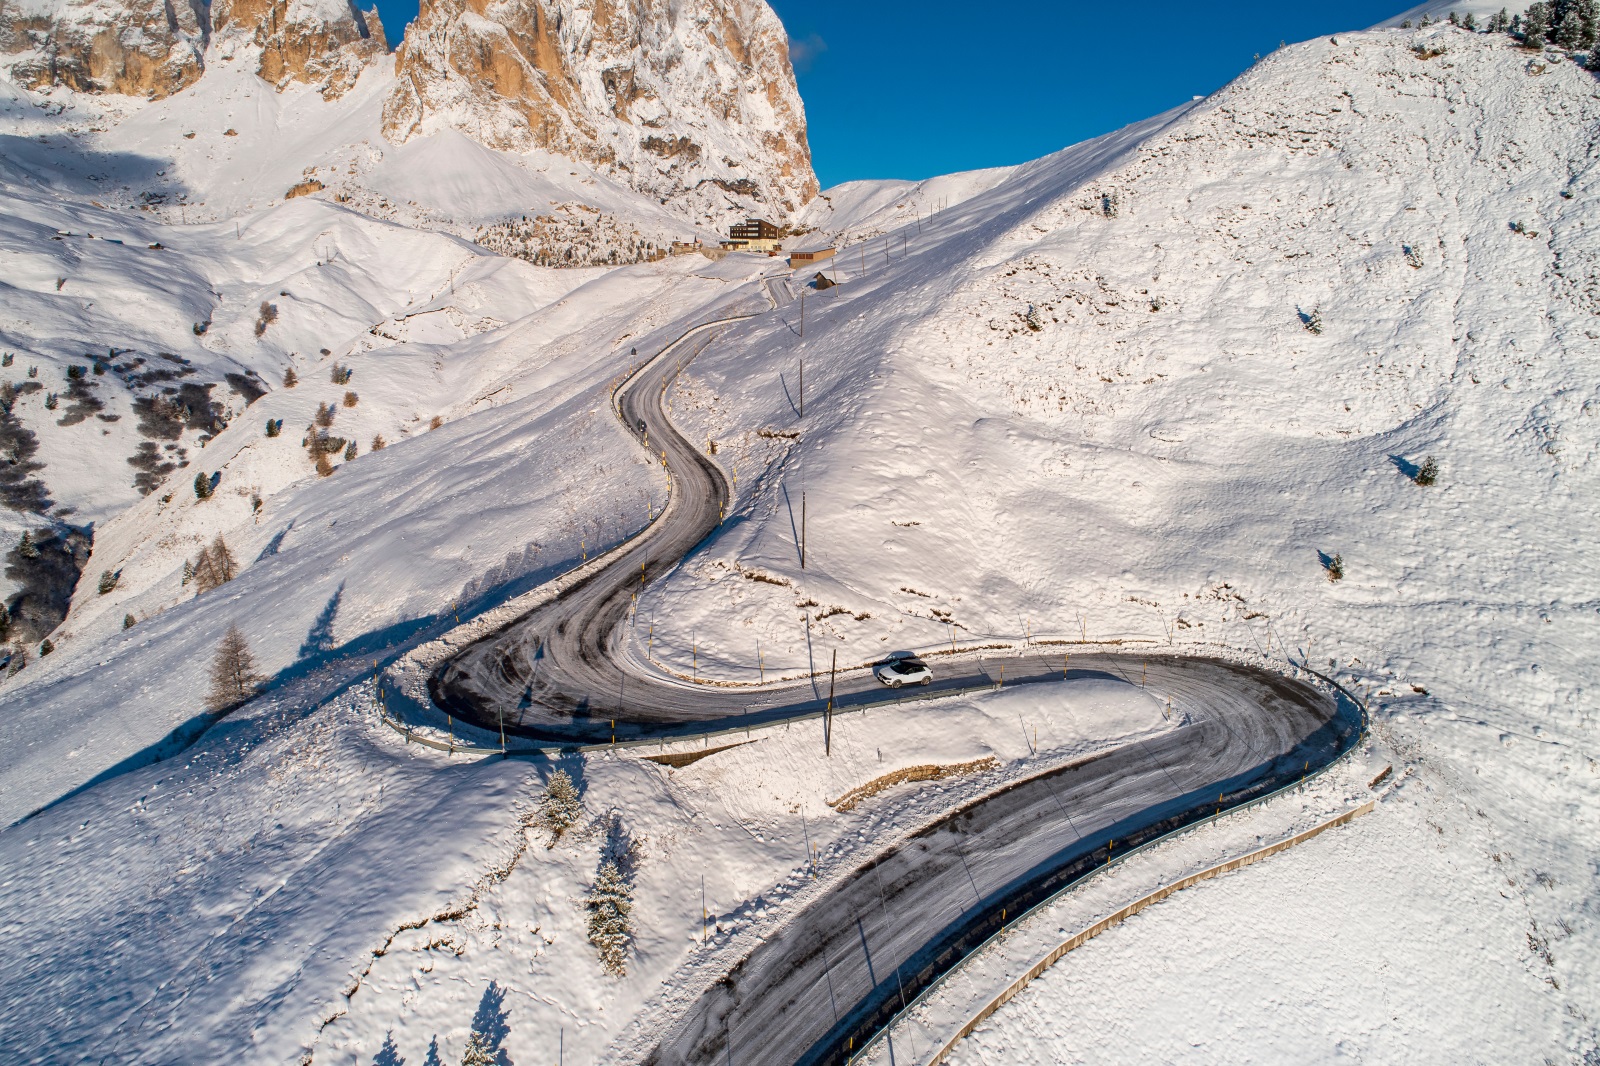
{"x":1144,"y":389}
{"x":152,"y":50}
{"x":692,"y":102}
{"x":687,"y":111}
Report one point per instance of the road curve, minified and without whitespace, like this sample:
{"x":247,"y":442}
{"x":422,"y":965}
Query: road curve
{"x":839,"y":969}
{"x":818,"y":987}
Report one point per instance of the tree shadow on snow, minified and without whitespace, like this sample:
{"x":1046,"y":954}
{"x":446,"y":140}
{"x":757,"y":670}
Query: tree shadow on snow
{"x":491,"y":1024}
{"x":1405,"y":466}
{"x":320,"y":637}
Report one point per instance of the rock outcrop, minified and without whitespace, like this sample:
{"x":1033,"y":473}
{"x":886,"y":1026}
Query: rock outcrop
{"x":154,"y":48}
{"x":136,"y":47}
{"x":691,"y":101}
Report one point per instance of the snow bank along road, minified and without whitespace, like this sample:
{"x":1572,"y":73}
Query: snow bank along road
{"x":842,"y":966}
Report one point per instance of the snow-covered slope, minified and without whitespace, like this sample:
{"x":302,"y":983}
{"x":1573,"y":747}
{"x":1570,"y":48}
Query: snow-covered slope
{"x":1150,"y":387}
{"x":858,"y":210}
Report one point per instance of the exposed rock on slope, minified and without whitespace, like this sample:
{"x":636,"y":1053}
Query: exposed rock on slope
{"x":314,"y":42}
{"x":138,"y":47}
{"x":145,"y":48}
{"x":691,"y":102}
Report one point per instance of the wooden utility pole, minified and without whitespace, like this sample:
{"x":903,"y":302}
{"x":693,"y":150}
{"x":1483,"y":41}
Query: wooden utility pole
{"x":827,"y":715}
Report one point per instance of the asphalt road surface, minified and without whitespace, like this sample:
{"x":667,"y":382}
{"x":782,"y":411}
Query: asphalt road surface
{"x":840,"y":968}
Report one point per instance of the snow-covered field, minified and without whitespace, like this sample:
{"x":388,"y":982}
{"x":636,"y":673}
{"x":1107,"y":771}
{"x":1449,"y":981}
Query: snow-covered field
{"x":1082,"y":400}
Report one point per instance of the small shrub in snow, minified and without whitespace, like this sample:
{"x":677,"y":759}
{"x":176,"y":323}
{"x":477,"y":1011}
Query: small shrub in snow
{"x":129,"y":621}
{"x":274,"y":426}
{"x":1312,"y":320}
{"x":1413,"y":257}
{"x":7,"y":359}
{"x":351,"y":399}
{"x":325,"y":413}
{"x":266,"y":316}
{"x":109,"y":580}
{"x":45,"y":648}
{"x":33,"y":371}
{"x":1032,"y":319}
{"x":1428,"y":472}
{"x":200,"y":328}
{"x":562,"y":805}
{"x":341,"y":375}
{"x":378,"y":443}
{"x":290,"y":378}
{"x":610,"y":905}
{"x":1335,"y":567}
{"x":349,"y":451}
{"x":202,"y":486}
{"x":438,"y":420}
{"x":19,"y":659}
{"x":26,"y":547}
{"x":324,"y":468}
{"x":75,"y":371}
{"x":233,"y":672}
{"x":51,"y":401}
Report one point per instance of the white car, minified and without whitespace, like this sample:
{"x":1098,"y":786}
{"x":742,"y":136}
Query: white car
{"x":897,"y":672}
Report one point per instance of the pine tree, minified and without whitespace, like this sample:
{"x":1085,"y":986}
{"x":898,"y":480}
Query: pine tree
{"x":350,"y":451}
{"x":203,"y":572}
{"x":1536,"y":25}
{"x":233,"y":676}
{"x":562,"y":805}
{"x":226,"y":566}
{"x":290,"y":378}
{"x":477,"y":1052}
{"x":108,"y":581}
{"x":26,"y":548}
{"x":46,"y":648}
{"x":274,"y":426}
{"x":325,"y":413}
{"x":1428,"y":472}
{"x":378,"y":443}
{"x":1499,"y":22}
{"x":202,"y":486}
{"x":610,"y":903}
{"x":129,"y":621}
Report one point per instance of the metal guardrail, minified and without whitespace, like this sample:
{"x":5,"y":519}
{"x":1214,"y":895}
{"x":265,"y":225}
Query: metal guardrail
{"x":1085,"y":935}
{"x":938,"y":982}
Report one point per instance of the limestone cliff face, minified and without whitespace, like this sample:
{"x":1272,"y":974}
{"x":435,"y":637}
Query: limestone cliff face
{"x":137,"y":47}
{"x":154,"y":48}
{"x":315,"y":42}
{"x":691,"y":101}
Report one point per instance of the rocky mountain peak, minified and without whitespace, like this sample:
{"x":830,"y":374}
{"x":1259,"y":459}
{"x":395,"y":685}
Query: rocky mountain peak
{"x":154,"y":48}
{"x":691,"y":101}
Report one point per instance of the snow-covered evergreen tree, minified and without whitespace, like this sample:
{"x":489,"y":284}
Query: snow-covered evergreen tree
{"x":610,"y":905}
{"x":562,"y":805}
{"x":477,"y":1052}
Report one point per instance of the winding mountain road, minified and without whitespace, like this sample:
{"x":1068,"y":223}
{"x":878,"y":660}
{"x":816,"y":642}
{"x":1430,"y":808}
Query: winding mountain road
{"x":837,"y":970}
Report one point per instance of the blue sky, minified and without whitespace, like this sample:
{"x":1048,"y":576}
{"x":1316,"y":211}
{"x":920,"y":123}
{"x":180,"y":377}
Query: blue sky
{"x":913,"y":88}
